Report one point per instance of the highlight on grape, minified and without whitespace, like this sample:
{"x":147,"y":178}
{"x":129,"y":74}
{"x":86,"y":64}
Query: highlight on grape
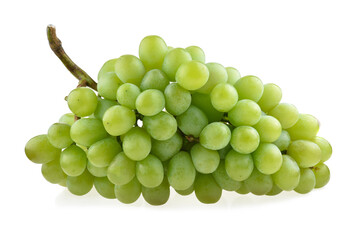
{"x":167,"y":120}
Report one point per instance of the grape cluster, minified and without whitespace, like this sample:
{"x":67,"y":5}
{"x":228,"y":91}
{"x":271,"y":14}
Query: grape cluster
{"x":167,"y":119}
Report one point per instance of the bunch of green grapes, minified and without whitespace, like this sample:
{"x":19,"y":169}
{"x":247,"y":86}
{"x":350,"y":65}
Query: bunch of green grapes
{"x":169,"y":120}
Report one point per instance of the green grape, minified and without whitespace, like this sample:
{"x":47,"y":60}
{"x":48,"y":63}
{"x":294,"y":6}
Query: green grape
{"x":82,"y":101}
{"x":137,"y":144}
{"x":217,"y":74}
{"x":157,"y":195}
{"x":63,"y":183}
{"x":164,"y":150}
{"x":108,"y":66}
{"x":267,"y":158}
{"x":53,"y":172}
{"x":152,"y":51}
{"x":127,"y":95}
{"x":203,"y":102}
{"x":259,"y":183}
{"x":173,"y":61}
{"x":286,"y":113}
{"x":177,"y":99}
{"x":104,"y":187}
{"x":73,"y":161}
{"x":269,"y":129}
{"x":39,"y":150}
{"x":59,"y":135}
{"x":118,"y":120}
{"x":128,"y":193}
{"x":80,"y":185}
{"x":150,"y":171}
{"x":154,"y":79}
{"x":249,"y":87}
{"x":87,"y":131}
{"x":245,"y":139}
{"x":192,"y":121}
{"x":206,"y":189}
{"x":181,"y":173}
{"x":121,"y":170}
{"x":283,"y":141}
{"x":288,"y":176}
{"x":101,"y":153}
{"x":307,"y":181}
{"x":108,"y":85}
{"x":169,"y":48}
{"x":305,"y":128}
{"x":161,"y":126}
{"x":150,"y":102}
{"x":215,"y":136}
{"x":187,"y":191}
{"x":224,"y":180}
{"x":306,"y":153}
{"x":238,"y":166}
{"x":322,"y":175}
{"x":224,"y":151}
{"x":102,"y":107}
{"x":196,"y":53}
{"x":274,"y":191}
{"x":96,"y":171}
{"x":245,"y":112}
{"x":192,"y":75}
{"x":130,"y":69}
{"x":224,"y":97}
{"x":324,"y":145}
{"x":233,"y":75}
{"x":67,"y":118}
{"x":204,"y":160}
{"x":243,"y":189}
{"x":271,"y":97}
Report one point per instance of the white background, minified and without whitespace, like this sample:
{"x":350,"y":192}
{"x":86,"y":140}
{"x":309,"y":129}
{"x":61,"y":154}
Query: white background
{"x":308,"y":48}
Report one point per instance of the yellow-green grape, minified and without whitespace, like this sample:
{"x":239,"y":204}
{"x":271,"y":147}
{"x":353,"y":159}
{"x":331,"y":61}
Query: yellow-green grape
{"x":233,"y":75}
{"x":96,"y":171}
{"x":215,"y":136}
{"x":322,"y":175}
{"x":269,"y":129}
{"x":102,"y":107}
{"x":73,"y":161}
{"x":59,"y":135}
{"x":324,"y":145}
{"x":39,"y":150}
{"x":165,"y":150}
{"x":67,"y":118}
{"x":158,"y":195}
{"x":307,"y":181}
{"x":267,"y":158}
{"x":203,"y":102}
{"x":286,"y":113}
{"x":243,"y":189}
{"x":169,"y":48}
{"x":271,"y":97}
{"x":274,"y":191}
{"x":288,"y":176}
{"x":224,"y":151}
{"x":87,"y":131}
{"x":137,"y":144}
{"x":80,"y":185}
{"x":305,"y":128}
{"x":196,"y":53}
{"x":154,"y":79}
{"x":259,"y":183}
{"x":204,"y":160}
{"x":206,"y":189}
{"x":104,"y":187}
{"x":187,"y":191}
{"x":181,"y":173}
{"x":245,"y":112}
{"x":82,"y":101}
{"x":108,"y":66}
{"x":306,"y":153}
{"x":161,"y":126}
{"x":224,"y":97}
{"x":150,"y":171}
{"x":152,"y":51}
{"x":192,"y":75}
{"x":118,"y":120}
{"x":238,"y":166}
{"x":108,"y":85}
{"x":130,"y":69}
{"x":173,"y":61}
{"x":121,"y":170}
{"x":283,"y":141}
{"x":192,"y":121}
{"x":150,"y":102}
{"x":101,"y":153}
{"x":217,"y":74}
{"x":63,"y":183}
{"x":177,"y":99}
{"x":128,"y":193}
{"x":224,"y":180}
{"x":127,"y":94}
{"x":249,"y":87}
{"x":53,"y":172}
{"x":245,"y":139}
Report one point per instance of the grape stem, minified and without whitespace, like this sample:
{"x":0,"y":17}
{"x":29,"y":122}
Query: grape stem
{"x":56,"y":46}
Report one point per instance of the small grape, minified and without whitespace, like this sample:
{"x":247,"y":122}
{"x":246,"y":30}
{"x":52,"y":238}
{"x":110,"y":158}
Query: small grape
{"x":245,"y":139}
{"x":87,"y":131}
{"x":118,"y":120}
{"x":206,"y":189}
{"x":108,"y":85}
{"x":283,"y":141}
{"x":80,"y":185}
{"x":215,"y":136}
{"x":271,"y":97}
{"x":130,"y":69}
{"x":161,"y":126}
{"x":249,"y":87}
{"x":233,"y":75}
{"x":157,"y":195}
{"x":39,"y":150}
{"x":150,"y":171}
{"x":306,"y":128}
{"x":306,"y":153}
{"x":307,"y":181}
{"x":245,"y":112}
{"x":102,"y":106}
{"x":192,"y":75}
{"x":101,"y":153}
{"x":59,"y":135}
{"x":150,"y":102}
{"x":108,"y":66}
{"x":67,"y":118}
{"x":177,"y":99}
{"x":173,"y":61}
{"x":267,"y":158}
{"x":127,"y":95}
{"x":152,"y":51}
{"x":104,"y":187}
{"x":269,"y":129}
{"x":53,"y":172}
{"x":121,"y":170}
{"x":196,"y":53}
{"x":224,"y":180}
{"x":217,"y":74}
{"x":324,"y":145}
{"x":137,"y":144}
{"x":238,"y":166}
{"x":181,"y":172}
{"x":128,"y":193}
{"x":73,"y":161}
{"x":224,"y":97}
{"x":166,"y":149}
{"x":286,"y":113}
{"x":259,"y":183}
{"x":322,"y":175}
{"x":82,"y":101}
{"x":203,"y":102}
{"x":204,"y":160}
{"x":288,"y":176}
{"x":192,"y":121}
{"x":154,"y":79}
